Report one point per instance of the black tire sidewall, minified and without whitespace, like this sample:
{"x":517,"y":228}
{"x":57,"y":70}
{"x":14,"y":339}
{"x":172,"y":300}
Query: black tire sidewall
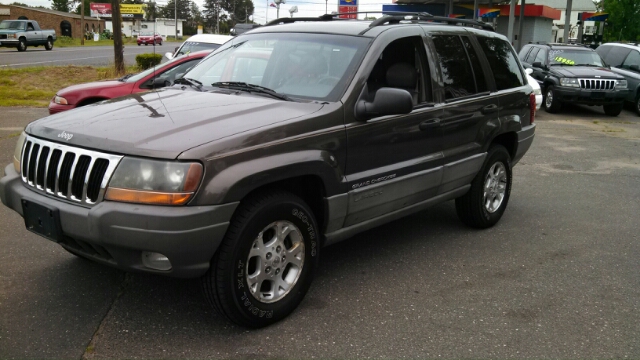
{"x":638,"y":104}
{"x":248,"y":307}
{"x":554,"y":102}
{"x":497,"y":154}
{"x":22,"y":46}
{"x":48,"y":45}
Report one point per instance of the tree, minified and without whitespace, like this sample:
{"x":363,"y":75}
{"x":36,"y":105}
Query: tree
{"x":212,"y":11}
{"x":61,"y":5}
{"x":116,"y":20}
{"x":152,"y":11}
{"x":624,"y":19}
{"x":87,"y":9}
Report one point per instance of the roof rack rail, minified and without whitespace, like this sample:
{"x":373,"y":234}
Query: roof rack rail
{"x":389,"y":17}
{"x":394,"y":17}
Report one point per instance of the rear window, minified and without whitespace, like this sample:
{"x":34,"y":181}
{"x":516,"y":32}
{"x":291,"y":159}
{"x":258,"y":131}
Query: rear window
{"x":455,"y":68}
{"x":504,"y":65}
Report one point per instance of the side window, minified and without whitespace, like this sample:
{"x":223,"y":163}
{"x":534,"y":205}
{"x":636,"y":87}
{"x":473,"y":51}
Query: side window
{"x":502,"y":60}
{"x":172,"y":74}
{"x":402,"y":65}
{"x":454,"y":65}
{"x":542,"y":55}
{"x":524,"y":52}
{"x":532,"y":55}
{"x":632,"y":59}
{"x":30,"y":27}
{"x":478,"y":74}
{"x":617,"y":55}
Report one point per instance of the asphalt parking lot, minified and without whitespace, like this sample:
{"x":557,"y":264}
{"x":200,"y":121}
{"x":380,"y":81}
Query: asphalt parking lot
{"x":558,"y":277}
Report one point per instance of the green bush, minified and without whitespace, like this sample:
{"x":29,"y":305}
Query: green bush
{"x":63,"y":40}
{"x":146,"y":61}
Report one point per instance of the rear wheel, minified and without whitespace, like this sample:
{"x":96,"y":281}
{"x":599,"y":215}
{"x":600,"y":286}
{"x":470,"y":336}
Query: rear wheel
{"x":551,"y":103}
{"x":265,"y":265}
{"x":487,"y":199}
{"x":49,"y":44}
{"x":613,"y":109}
{"x":638,"y":104}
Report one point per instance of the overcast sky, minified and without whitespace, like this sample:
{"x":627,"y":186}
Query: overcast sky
{"x":305,"y":7}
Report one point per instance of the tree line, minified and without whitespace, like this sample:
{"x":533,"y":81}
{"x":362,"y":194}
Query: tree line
{"x":216,"y":16}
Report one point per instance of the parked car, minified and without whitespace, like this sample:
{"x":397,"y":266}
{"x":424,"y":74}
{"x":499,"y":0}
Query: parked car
{"x":153,"y":78}
{"x":575,"y":74}
{"x":197,"y":43}
{"x":241,"y":172}
{"x":624,"y":60}
{"x":22,"y":33}
{"x":536,"y":88}
{"x":240,"y":28}
{"x":147,"y":38}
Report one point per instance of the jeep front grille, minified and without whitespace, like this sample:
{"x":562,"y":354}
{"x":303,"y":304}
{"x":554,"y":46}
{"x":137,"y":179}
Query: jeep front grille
{"x":66,"y":172}
{"x":597,"y":84}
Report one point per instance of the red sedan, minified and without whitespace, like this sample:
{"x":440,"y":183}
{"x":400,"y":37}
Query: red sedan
{"x":89,"y":93}
{"x":149,"y":38}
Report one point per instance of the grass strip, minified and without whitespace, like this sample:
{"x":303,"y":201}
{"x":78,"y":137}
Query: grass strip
{"x":35,"y":86}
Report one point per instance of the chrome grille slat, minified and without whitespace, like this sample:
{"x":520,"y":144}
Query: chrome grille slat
{"x":597,"y":84}
{"x":45,"y":162}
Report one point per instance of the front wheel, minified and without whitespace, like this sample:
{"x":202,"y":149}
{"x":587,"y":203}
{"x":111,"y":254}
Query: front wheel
{"x":49,"y":44}
{"x":551,"y":102}
{"x":22,"y":45}
{"x":487,"y":199}
{"x":265,"y":265}
{"x":638,"y":104}
{"x":613,"y":109}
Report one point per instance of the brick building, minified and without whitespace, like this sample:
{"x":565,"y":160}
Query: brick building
{"x":65,"y":24}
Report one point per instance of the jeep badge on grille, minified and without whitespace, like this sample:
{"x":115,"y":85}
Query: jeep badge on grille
{"x":65,"y":135}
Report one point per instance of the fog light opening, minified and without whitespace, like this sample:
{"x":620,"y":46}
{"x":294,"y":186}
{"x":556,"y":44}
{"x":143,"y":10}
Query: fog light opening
{"x":155,"y":261}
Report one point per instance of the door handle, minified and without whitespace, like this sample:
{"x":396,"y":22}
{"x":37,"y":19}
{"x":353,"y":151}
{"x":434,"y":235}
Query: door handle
{"x":428,"y":124}
{"x":489,"y":109}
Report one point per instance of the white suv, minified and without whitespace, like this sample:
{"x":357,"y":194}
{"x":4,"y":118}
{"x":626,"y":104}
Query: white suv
{"x":197,"y":43}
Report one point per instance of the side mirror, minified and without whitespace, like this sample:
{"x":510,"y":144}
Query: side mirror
{"x":529,"y":71}
{"x":635,"y":68}
{"x":537,"y":64}
{"x":160,"y":83}
{"x":168,"y":55}
{"x":387,"y":101}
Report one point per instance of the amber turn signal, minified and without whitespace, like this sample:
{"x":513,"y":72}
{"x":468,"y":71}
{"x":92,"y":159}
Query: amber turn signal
{"x":147,"y":197}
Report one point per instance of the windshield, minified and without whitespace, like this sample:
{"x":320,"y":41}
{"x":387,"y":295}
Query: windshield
{"x":190,"y":46}
{"x":140,"y":75}
{"x":575,"y":58}
{"x":146,"y":34}
{"x":12,"y":25}
{"x":311,"y":66}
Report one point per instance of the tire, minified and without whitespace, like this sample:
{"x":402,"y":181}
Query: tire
{"x":138,"y":44}
{"x":244,"y":299}
{"x":474,"y":208}
{"x":613,"y":109}
{"x":49,"y":44}
{"x":22,"y":45}
{"x":638,"y":104}
{"x":551,"y":104}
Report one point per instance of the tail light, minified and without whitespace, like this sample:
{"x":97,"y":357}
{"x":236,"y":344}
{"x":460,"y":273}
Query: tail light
{"x":532,"y":107}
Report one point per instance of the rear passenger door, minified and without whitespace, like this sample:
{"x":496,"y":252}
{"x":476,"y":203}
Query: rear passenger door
{"x":470,"y":110}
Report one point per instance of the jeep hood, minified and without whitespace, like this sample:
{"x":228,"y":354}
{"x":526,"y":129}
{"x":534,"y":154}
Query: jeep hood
{"x":165,"y":123}
{"x":585,"y":72}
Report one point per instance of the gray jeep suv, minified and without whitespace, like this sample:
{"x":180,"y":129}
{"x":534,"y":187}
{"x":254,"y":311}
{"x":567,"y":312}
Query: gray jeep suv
{"x":624,"y":60}
{"x":286,"y":139}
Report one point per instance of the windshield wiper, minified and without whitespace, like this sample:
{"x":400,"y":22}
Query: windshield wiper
{"x":560,"y":64}
{"x":243,"y":86}
{"x":191,"y":82}
{"x":588,"y":65}
{"x":125,"y":77}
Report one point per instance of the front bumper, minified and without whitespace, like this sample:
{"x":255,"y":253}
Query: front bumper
{"x":525,"y":139}
{"x":116,"y":233}
{"x":590,"y":97}
{"x":9,"y":42}
{"x":56,"y":108}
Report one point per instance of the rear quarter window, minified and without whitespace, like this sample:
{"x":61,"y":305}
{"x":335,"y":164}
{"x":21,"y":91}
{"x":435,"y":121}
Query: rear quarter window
{"x":504,"y":65}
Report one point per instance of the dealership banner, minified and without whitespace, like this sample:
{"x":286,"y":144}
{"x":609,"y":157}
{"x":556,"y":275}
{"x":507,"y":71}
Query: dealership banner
{"x":128,"y":11}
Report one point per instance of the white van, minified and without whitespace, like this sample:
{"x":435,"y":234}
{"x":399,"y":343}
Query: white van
{"x":197,"y":43}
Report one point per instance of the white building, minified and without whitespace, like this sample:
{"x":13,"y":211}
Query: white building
{"x":164,"y":27}
{"x":577,"y":6}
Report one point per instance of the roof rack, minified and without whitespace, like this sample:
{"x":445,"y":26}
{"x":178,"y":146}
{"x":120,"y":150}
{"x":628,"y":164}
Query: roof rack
{"x":390,"y":17}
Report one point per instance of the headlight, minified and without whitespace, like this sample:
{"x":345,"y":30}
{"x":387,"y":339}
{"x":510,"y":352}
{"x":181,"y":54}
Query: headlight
{"x":154,"y":182}
{"x":569,"y":82}
{"x":621,"y":84}
{"x":60,"y":100}
{"x":11,"y":36}
{"x":17,"y":154}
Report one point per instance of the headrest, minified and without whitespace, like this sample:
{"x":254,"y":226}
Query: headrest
{"x":402,"y":75}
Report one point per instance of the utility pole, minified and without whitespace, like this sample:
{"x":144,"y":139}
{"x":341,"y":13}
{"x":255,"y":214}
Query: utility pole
{"x":326,"y":6}
{"x":176,"y":15}
{"x":116,"y":20}
{"x":82,"y":21}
